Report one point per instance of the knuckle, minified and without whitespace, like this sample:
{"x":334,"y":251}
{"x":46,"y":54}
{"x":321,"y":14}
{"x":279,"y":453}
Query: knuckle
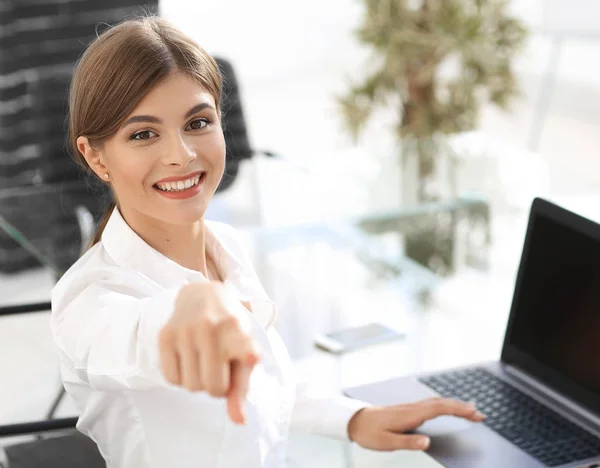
{"x":228,"y":322}
{"x":437,"y":404}
{"x":172,"y":379}
{"x":183,"y":340}
{"x":240,"y":349}
{"x":194,"y":387}
{"x":444,"y":405}
{"x":189,"y":387}
{"x":194,"y":384}
{"x":205,"y":324}
{"x":457,"y":405}
{"x":216,"y":390}
{"x":166,"y":337}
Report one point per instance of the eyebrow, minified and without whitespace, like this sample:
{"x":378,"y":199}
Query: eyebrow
{"x":151,"y":119}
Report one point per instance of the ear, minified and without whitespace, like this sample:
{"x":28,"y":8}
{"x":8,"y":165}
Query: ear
{"x":92,"y":156}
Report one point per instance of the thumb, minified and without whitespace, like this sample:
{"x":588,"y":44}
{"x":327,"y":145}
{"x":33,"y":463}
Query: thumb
{"x":393,"y":441}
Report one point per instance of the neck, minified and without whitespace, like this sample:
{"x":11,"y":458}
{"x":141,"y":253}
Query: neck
{"x":184,"y":244}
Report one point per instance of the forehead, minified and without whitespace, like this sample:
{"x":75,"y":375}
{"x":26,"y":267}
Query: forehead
{"x":174,"y":95}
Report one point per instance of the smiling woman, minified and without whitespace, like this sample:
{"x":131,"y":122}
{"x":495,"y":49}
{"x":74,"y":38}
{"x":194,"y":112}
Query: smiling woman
{"x":133,"y":133}
{"x":165,"y":334}
{"x":165,"y":141}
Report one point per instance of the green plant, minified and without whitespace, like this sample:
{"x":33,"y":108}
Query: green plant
{"x":436,"y":62}
{"x":411,"y":41}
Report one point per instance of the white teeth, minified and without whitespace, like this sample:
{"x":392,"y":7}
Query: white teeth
{"x":179,"y":185}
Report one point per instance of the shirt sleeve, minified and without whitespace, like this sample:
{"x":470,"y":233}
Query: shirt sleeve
{"x":111,"y":337}
{"x":314,"y":410}
{"x":322,"y":414}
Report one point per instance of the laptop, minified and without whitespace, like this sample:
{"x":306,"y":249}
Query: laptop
{"x":542,"y":399}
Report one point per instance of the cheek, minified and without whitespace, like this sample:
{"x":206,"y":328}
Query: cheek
{"x":217,"y":152}
{"x":135,"y":174}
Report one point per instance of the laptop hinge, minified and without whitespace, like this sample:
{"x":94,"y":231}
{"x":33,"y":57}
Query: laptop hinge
{"x":590,"y":420}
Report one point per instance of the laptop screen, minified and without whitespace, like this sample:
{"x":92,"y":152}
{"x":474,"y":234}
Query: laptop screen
{"x":555,"y":321}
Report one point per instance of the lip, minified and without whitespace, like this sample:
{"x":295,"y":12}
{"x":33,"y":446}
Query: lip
{"x":183,"y":194}
{"x":179,"y":178}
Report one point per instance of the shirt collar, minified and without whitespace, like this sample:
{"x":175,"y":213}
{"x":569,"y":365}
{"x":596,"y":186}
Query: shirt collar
{"x":130,"y":251}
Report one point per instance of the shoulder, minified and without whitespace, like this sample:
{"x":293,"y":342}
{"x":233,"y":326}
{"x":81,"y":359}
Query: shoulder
{"x":95,"y":267}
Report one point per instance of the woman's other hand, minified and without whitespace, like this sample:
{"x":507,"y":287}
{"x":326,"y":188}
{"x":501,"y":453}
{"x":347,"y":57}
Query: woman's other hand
{"x":384,"y":427}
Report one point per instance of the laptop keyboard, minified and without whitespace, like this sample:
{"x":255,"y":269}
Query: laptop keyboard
{"x":534,"y":428}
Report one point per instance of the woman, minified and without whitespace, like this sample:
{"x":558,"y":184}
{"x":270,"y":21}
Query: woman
{"x":165,"y":334}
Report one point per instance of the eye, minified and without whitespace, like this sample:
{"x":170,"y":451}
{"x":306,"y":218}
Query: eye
{"x":199,"y":124}
{"x":143,"y":135}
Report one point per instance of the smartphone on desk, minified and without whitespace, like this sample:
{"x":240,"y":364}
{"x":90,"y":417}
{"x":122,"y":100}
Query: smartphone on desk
{"x":354,"y":338}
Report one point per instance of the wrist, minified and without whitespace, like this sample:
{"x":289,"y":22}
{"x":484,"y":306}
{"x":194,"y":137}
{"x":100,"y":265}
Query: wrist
{"x":353,"y":423}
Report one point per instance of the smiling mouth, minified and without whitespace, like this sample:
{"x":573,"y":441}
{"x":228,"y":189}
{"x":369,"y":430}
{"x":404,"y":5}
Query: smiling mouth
{"x":180,"y":186}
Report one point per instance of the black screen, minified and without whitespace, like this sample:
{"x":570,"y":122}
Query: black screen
{"x":557,"y":315}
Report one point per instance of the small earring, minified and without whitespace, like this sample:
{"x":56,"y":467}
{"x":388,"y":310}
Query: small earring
{"x":106,"y":176}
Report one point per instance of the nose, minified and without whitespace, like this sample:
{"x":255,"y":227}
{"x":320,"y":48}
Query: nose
{"x":180,"y":152}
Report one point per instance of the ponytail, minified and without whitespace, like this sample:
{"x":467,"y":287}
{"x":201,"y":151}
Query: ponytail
{"x":102,"y":224}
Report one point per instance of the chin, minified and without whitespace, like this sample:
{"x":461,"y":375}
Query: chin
{"x":182,"y":215}
{"x":188,"y":216}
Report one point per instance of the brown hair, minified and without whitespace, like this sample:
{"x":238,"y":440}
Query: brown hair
{"x":119,"y":68}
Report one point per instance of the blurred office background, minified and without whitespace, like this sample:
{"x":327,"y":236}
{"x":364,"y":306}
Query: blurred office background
{"x":327,"y":220}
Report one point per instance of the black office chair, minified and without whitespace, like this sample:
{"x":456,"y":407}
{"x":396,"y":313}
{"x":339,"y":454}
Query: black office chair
{"x":61,"y":446}
{"x":234,"y":126}
{"x":56,"y":442}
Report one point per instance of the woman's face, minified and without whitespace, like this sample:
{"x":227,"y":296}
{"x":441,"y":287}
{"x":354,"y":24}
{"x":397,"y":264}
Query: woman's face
{"x":167,"y":159}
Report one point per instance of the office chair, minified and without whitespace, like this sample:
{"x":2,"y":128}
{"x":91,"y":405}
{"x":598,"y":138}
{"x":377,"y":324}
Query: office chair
{"x":237,"y":144}
{"x":69,"y":449}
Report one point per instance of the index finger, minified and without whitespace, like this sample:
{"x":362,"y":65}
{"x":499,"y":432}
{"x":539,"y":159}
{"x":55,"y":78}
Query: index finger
{"x":435,"y":407}
{"x":238,"y":390}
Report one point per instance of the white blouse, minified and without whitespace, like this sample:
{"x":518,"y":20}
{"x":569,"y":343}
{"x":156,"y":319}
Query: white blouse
{"x":107,"y":311}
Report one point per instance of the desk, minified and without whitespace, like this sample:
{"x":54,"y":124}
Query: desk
{"x":326,"y":274}
{"x":461,"y":318}
{"x":465,"y":323}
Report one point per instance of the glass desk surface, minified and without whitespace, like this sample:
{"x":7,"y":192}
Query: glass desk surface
{"x":344,"y":265}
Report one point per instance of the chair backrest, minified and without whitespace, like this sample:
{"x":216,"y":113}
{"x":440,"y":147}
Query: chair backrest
{"x":71,"y":450}
{"x":3,"y":458}
{"x":234,"y":125}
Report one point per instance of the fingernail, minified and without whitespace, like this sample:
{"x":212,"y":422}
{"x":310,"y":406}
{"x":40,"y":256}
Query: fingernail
{"x":424,"y":443}
{"x":479,"y":415}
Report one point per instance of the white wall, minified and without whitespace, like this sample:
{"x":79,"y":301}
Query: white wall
{"x":290,"y":58}
{"x":293,"y":57}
